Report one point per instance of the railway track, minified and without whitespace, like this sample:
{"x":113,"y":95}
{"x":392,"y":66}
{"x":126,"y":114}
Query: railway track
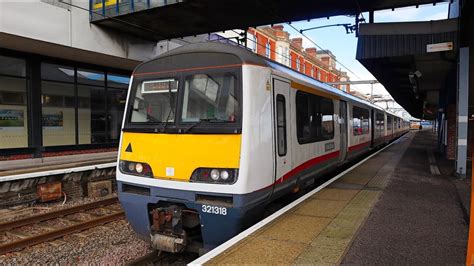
{"x":48,"y":233}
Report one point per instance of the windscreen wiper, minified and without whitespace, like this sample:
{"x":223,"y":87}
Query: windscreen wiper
{"x":209,"y":120}
{"x":171,"y":111}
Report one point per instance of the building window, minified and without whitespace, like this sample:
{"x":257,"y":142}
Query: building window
{"x":315,"y":118}
{"x":304,"y":68}
{"x":252,"y":42}
{"x":267,"y":49}
{"x":319,"y":75}
{"x":360,"y":121}
{"x":312,"y":72}
{"x":287,"y":56}
{"x":298,"y":64}
{"x":13,"y":103}
{"x":81,"y":106}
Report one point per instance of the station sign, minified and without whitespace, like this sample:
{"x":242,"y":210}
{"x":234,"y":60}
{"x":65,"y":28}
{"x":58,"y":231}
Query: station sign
{"x":439,"y":47}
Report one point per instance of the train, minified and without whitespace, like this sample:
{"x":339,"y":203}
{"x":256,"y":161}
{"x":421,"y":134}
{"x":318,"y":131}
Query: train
{"x":213,"y":133}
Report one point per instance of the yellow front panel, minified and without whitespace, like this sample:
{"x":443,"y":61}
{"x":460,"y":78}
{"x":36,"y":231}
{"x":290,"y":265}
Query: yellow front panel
{"x":181,"y":152}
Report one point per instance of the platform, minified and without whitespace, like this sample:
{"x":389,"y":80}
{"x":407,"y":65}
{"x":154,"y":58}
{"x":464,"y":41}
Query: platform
{"x":396,"y":207}
{"x":30,"y":168}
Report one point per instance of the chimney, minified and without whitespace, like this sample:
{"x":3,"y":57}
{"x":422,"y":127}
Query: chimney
{"x":311,"y":52}
{"x":297,"y":42}
{"x":278,"y":27}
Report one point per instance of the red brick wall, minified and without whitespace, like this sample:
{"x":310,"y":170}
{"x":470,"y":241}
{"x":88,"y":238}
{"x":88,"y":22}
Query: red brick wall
{"x":261,"y":42}
{"x":308,"y":68}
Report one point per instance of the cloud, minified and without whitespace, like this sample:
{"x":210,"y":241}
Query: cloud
{"x":422,"y":13}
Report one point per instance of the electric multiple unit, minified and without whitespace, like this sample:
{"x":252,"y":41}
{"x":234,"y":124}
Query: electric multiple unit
{"x":213,"y":133}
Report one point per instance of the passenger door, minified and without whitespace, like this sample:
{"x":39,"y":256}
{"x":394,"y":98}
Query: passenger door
{"x":343,"y":130}
{"x":282,"y":118}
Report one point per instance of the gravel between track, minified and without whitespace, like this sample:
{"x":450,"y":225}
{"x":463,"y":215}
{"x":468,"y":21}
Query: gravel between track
{"x":111,"y":244}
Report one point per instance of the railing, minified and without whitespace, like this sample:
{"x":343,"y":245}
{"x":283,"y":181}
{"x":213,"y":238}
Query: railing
{"x":99,"y":9}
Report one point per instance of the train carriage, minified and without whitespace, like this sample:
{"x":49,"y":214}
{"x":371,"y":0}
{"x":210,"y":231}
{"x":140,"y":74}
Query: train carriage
{"x":213,"y":133}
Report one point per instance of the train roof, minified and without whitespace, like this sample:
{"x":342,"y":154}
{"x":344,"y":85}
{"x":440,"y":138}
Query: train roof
{"x":246,"y":56}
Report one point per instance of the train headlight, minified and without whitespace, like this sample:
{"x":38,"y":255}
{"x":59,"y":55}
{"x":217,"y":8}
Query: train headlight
{"x":224,"y":174}
{"x":215,"y":175}
{"x":131,"y":166}
{"x":135,"y":168}
{"x":139,"y":168}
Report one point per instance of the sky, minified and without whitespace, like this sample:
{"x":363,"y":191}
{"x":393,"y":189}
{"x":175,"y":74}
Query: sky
{"x":344,"y":46}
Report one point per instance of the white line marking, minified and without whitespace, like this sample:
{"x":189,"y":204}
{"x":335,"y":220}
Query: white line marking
{"x":219,"y":249}
{"x":57,"y":172}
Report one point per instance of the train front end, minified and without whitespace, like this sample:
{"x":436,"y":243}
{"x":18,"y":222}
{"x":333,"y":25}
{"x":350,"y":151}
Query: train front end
{"x":180,"y":151}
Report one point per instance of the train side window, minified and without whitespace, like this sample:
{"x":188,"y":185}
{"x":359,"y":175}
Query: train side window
{"x":314,"y":118}
{"x":380,"y":123}
{"x":360,"y":121}
{"x":281,"y":124}
{"x":327,"y":119}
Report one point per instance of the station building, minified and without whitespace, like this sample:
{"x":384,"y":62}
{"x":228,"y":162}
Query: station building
{"x":63,"y":81}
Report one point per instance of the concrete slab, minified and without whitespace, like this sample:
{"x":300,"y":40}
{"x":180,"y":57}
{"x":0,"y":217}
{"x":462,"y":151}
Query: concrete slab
{"x":321,"y":208}
{"x":336,"y":194}
{"x":263,"y":250}
{"x":295,"y":228}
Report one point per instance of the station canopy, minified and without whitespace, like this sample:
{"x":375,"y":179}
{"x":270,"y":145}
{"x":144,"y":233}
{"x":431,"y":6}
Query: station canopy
{"x":415,"y":61}
{"x":174,"y":19}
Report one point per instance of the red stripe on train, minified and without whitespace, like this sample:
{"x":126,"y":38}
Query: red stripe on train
{"x":307,"y":165}
{"x":359,"y":146}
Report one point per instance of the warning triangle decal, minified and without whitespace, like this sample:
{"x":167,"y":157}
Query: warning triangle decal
{"x":129,"y":148}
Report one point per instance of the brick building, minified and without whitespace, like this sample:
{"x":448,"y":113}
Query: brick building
{"x":276,"y":44}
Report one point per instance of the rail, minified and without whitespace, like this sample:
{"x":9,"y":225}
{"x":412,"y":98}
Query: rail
{"x":69,"y":229}
{"x":55,"y":214}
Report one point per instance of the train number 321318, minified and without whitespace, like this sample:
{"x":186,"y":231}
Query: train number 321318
{"x":214,"y":209}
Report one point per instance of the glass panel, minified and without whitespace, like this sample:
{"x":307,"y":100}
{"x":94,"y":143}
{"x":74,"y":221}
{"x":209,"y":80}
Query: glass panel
{"x":155,"y":101}
{"x":13,"y":113}
{"x":117,"y":81}
{"x":281,"y":125}
{"x":327,"y":120}
{"x":91,"y":114}
{"x":116,"y":102}
{"x":12,"y":66}
{"x":58,"y":114}
{"x":57,"y":72}
{"x":360,"y":122}
{"x":210,"y":97}
{"x":90,"y":77}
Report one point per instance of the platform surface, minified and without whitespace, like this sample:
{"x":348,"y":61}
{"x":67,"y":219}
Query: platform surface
{"x":394,"y":208}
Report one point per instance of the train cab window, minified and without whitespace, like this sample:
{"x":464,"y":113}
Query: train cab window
{"x":210,"y":97}
{"x":154,"y":101}
{"x":314,"y":118}
{"x":281,"y":124}
{"x":360,"y":121}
